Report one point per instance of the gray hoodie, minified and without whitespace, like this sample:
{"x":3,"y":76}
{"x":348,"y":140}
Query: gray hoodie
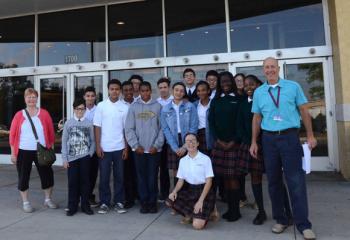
{"x":142,"y":127}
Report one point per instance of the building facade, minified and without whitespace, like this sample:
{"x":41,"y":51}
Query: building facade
{"x":60,"y":47}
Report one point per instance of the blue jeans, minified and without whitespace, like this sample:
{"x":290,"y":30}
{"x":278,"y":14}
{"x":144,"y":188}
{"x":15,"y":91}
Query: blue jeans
{"x":283,"y":154}
{"x":109,"y":160}
{"x":147,"y":175}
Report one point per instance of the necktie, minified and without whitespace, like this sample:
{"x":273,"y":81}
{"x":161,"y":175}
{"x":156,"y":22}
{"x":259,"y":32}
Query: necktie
{"x":189,"y":92}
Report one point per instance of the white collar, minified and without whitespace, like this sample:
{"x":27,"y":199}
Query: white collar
{"x":171,"y":97}
{"x":193,"y":158}
{"x":250,"y":99}
{"x":127,"y":103}
{"x":81,"y":119}
{"x":90,"y":109}
{"x":274,"y":85}
{"x":176,"y":105}
{"x":109,"y":100}
{"x":192,"y":88}
{"x":146,"y":102}
{"x":200,"y":104}
{"x":231,"y":94}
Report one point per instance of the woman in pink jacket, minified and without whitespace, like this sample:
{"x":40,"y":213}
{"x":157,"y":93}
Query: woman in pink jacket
{"x":24,"y":145}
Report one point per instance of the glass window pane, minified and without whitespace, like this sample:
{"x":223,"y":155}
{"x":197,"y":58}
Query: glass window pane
{"x":17,"y":42}
{"x":255,"y":70}
{"x":175,"y":73}
{"x":53,"y":98}
{"x":75,"y":36}
{"x":82,"y":82}
{"x":260,"y":25}
{"x":11,"y":101}
{"x":310,"y":77}
{"x":151,"y":75}
{"x":195,"y":27}
{"x":135,"y":30}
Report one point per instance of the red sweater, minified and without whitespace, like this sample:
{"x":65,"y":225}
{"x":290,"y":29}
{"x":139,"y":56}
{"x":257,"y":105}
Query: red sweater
{"x":16,"y":124}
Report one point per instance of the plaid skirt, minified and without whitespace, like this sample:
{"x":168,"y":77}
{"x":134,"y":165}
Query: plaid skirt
{"x":173,"y":159}
{"x":188,"y":196}
{"x":246,"y":163}
{"x":224,"y":162}
{"x":202,"y":142}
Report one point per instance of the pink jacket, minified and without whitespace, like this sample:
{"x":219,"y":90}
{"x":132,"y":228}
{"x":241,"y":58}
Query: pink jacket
{"x":16,"y":124}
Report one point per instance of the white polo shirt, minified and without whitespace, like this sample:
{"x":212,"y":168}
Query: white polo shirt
{"x":195,"y":170}
{"x":89,"y":113}
{"x":202,"y":115}
{"x":111,"y":118}
{"x":163,"y":101}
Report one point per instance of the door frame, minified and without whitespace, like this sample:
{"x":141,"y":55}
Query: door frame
{"x":330,"y":163}
{"x":68,"y":83}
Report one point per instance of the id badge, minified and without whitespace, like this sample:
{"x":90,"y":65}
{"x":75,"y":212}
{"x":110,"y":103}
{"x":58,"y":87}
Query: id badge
{"x":277,"y":118}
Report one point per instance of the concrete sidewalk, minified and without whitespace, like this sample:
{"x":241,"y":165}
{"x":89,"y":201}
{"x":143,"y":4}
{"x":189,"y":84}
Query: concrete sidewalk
{"x":329,"y":198}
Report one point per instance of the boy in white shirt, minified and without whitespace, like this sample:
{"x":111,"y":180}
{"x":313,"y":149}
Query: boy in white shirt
{"x":109,"y":122}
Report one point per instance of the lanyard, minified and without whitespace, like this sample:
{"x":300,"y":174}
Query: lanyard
{"x":276,"y":101}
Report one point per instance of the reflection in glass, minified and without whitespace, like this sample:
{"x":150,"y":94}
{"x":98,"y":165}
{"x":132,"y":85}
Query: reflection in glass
{"x":53,"y":99}
{"x":260,"y":25}
{"x":195,"y":27}
{"x":175,"y":73}
{"x":151,"y":75}
{"x":255,"y":70}
{"x":135,"y":30}
{"x":310,"y":77}
{"x":17,"y":42}
{"x":75,"y":36}
{"x":11,"y":101}
{"x":82,"y":82}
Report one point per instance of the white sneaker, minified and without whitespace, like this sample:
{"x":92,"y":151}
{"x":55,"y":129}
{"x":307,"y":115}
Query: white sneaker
{"x":103,"y":209}
{"x":119,"y":207}
{"x":50,"y":204}
{"x":27,"y":208}
{"x":308,"y":234}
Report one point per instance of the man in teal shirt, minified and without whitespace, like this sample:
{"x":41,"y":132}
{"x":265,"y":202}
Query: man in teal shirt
{"x":277,"y":106}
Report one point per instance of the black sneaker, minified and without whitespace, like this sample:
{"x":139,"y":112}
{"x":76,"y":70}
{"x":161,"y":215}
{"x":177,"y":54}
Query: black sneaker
{"x":260,"y":218}
{"x":129,"y":204}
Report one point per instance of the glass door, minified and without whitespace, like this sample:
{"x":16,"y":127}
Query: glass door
{"x":54,"y":98}
{"x":313,"y":76}
{"x":80,"y":81}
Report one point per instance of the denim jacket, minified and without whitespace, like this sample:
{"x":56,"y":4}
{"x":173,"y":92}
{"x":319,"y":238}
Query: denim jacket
{"x":208,"y":136}
{"x":188,"y":122}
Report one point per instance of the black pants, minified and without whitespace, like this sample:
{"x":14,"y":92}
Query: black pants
{"x":93,"y":175}
{"x":24,"y":163}
{"x":78,"y":183}
{"x":164,"y":178}
{"x":130,"y":184}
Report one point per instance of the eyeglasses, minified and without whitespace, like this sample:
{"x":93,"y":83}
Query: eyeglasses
{"x":191,"y":141}
{"x":79,"y":109}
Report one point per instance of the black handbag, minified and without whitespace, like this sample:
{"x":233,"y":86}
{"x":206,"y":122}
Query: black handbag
{"x":46,"y":156}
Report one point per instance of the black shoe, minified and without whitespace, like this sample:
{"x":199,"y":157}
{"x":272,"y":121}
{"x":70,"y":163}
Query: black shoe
{"x":88,"y":211}
{"x":93,"y":203}
{"x":260,"y":218}
{"x":70,"y":213}
{"x":144,"y":209}
{"x":233,"y":217}
{"x":226,"y":214}
{"x":153,"y":208}
{"x":129,"y":204}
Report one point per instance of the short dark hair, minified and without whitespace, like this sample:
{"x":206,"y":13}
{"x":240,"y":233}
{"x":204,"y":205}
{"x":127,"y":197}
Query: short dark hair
{"x":114,"y":81}
{"x":212,"y":73}
{"x":201,"y":82}
{"x":126,"y":83}
{"x":218,"y":86}
{"x":254,"y":78}
{"x":146,"y":84}
{"x":136,"y":76}
{"x":164,"y":80}
{"x":188,"y":70}
{"x":89,"y":89}
{"x":78,"y":101}
{"x":193,"y":134}
{"x":180,"y":84}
